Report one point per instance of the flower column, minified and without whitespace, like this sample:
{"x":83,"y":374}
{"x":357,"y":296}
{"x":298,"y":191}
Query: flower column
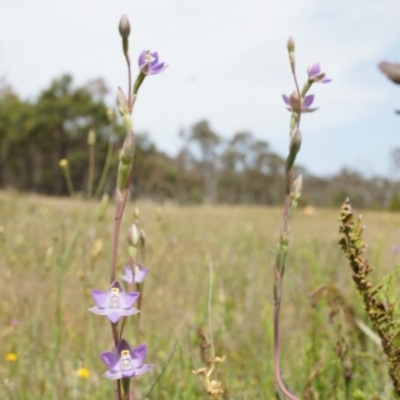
{"x":124,"y":362}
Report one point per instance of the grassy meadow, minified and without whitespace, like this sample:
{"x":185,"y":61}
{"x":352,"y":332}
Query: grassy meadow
{"x":53,"y":251}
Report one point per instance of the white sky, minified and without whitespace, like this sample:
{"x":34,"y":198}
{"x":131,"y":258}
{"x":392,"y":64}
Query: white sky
{"x":227,"y":63}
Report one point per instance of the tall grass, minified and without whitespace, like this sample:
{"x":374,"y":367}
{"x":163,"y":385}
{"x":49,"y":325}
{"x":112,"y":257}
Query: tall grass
{"x":49,"y":263}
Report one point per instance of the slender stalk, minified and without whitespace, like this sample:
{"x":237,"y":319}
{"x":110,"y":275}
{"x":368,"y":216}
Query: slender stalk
{"x":210,"y":293}
{"x":117,"y":390}
{"x":121,"y":331}
{"x":119,"y":210}
{"x":164,"y":368}
{"x":278,"y":291}
{"x":128,"y":63}
{"x":277,"y":367}
{"x":140,"y":289}
{"x":59,"y":286}
{"x":106,"y":167}
{"x":68,"y":180}
{"x":91,"y":171}
{"x":280,"y":260}
{"x":296,"y":83}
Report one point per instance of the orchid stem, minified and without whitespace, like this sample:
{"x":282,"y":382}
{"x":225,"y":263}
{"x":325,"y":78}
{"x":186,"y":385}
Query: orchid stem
{"x":280,"y":260}
{"x":128,"y":63}
{"x":119,"y":210}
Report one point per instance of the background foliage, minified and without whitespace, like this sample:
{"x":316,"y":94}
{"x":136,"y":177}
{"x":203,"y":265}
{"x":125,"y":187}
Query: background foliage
{"x":36,"y":134}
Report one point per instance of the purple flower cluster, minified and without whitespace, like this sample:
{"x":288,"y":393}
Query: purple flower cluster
{"x":125,"y":362}
{"x":302,"y":104}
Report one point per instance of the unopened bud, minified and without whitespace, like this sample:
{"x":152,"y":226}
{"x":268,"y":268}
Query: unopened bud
{"x":128,"y":148}
{"x":123,"y":176}
{"x":295,"y":142}
{"x":124,"y":27}
{"x":294,"y":147}
{"x":290,"y":45}
{"x":133,"y":235}
{"x":91,"y":140}
{"x":297,"y":185}
{"x":136,"y":214}
{"x":122,"y":102}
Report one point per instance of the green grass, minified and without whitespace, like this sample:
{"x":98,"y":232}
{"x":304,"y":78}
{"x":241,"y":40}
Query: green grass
{"x":47,"y":270}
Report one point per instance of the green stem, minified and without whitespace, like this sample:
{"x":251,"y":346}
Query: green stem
{"x":91,"y":171}
{"x":138,"y":82}
{"x":106,"y":167}
{"x":59,"y":285}
{"x":68,"y":180}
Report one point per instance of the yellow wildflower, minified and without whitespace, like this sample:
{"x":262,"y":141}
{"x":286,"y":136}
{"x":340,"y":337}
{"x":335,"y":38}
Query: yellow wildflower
{"x":83,"y":373}
{"x":63,"y":163}
{"x":11,"y":357}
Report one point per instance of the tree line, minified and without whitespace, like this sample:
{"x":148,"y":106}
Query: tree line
{"x":36,"y":134}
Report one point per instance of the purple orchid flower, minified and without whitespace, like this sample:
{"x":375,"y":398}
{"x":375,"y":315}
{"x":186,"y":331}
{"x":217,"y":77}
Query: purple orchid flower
{"x":315,"y":74}
{"x":115,"y":303}
{"x":148,"y":63}
{"x":126,"y":362}
{"x":137,"y":276}
{"x":294,"y":104}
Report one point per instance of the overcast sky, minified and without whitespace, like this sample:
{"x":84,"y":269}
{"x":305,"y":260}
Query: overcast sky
{"x":227,"y":63}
